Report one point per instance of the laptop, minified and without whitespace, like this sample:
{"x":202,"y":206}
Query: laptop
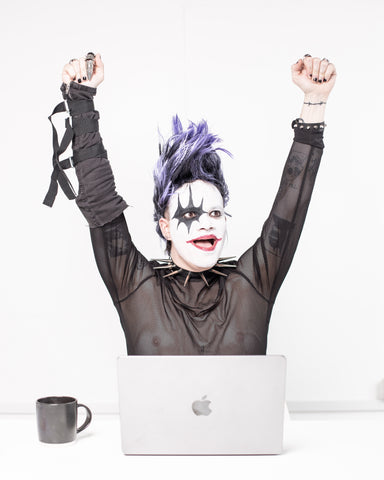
{"x":202,"y":405}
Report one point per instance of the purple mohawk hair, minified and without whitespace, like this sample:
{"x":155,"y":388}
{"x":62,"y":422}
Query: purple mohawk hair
{"x":188,"y":155}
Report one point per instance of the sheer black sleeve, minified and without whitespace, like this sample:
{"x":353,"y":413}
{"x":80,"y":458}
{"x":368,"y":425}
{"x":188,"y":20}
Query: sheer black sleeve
{"x":265,"y":265}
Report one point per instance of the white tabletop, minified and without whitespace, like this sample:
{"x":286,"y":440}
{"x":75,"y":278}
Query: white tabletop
{"x":331,"y":446}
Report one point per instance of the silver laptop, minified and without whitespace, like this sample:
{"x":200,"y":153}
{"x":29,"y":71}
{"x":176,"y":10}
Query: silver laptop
{"x":202,"y":405}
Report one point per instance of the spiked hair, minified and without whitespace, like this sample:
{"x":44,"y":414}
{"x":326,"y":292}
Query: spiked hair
{"x":188,"y":155}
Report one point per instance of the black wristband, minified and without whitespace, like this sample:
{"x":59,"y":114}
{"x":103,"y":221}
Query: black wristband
{"x":309,"y":133}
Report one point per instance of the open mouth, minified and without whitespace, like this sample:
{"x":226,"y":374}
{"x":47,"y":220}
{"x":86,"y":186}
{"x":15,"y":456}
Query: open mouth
{"x":207,"y":242}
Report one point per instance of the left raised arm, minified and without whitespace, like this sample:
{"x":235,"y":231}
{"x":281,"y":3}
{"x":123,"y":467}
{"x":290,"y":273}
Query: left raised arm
{"x":267,"y":262}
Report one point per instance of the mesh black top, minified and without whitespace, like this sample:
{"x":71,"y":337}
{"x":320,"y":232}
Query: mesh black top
{"x":210,"y":313}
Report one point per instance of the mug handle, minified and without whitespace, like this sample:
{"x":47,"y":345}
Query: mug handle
{"x":87,"y":420}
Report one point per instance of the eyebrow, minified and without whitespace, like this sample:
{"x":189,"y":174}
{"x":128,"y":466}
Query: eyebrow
{"x":216,"y":207}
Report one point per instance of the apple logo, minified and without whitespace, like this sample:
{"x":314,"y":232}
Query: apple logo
{"x":201,"y":407}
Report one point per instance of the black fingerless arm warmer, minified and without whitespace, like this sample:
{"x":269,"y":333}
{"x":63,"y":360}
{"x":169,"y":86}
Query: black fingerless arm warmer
{"x":97,"y":197}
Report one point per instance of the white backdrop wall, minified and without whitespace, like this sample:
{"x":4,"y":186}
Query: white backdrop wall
{"x":229,"y":62}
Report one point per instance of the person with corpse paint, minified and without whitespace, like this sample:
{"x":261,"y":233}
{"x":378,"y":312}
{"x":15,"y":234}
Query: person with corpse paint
{"x":193,"y":302}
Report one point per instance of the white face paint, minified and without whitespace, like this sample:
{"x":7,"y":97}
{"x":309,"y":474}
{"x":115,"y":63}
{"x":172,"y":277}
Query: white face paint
{"x":197,"y":225}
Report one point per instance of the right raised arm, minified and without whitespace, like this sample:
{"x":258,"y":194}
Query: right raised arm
{"x":97,"y":198}
{"x":121,"y":266}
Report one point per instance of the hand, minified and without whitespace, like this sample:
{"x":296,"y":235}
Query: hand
{"x":76,"y":71}
{"x":315,"y":77}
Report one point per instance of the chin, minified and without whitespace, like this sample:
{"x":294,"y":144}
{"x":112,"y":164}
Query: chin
{"x":209,"y":263}
{"x":195,"y":259}
{"x":203,"y":261}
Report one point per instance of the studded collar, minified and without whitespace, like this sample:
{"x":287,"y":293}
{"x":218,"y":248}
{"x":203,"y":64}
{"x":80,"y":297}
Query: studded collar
{"x":171,"y":269}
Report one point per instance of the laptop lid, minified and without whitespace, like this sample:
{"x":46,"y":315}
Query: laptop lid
{"x":197,"y":405}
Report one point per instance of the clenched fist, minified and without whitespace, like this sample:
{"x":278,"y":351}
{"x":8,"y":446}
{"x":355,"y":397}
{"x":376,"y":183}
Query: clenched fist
{"x":314,"y":76}
{"x":76,"y":71}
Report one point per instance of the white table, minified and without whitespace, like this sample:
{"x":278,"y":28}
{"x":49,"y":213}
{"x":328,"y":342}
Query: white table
{"x":323,"y":446}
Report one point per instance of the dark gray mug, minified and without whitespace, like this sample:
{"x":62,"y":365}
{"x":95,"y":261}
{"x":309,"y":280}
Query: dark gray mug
{"x":57,"y":419}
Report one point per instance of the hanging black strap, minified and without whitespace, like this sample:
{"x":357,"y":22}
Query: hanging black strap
{"x":97,"y":150}
{"x":58,"y":176}
{"x":81,"y":126}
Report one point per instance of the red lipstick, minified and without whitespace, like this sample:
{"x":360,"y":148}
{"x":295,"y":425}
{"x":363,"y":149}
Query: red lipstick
{"x":207,"y":243}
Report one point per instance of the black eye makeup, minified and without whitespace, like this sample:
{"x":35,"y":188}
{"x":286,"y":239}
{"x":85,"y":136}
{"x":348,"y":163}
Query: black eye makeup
{"x":190,"y":213}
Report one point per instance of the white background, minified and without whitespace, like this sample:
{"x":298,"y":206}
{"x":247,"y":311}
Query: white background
{"x":229,"y":62}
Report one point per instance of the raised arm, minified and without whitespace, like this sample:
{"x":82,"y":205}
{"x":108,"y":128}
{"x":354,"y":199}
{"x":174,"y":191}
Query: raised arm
{"x":266,"y":264}
{"x":97,"y":198}
{"x":121,"y":266}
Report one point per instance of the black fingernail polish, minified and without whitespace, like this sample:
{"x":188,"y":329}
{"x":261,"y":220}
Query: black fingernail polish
{"x":310,"y":75}
{"x":84,"y":78}
{"x":320,"y":81}
{"x":315,"y":79}
{"x":324,"y":80}
{"x":79,"y":80}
